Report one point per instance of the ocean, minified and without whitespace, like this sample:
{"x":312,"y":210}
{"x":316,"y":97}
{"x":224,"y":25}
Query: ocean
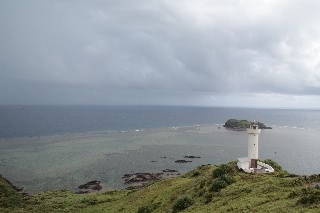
{"x":58,"y":147}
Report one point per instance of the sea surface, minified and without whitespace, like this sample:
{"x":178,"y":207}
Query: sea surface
{"x":57,"y":147}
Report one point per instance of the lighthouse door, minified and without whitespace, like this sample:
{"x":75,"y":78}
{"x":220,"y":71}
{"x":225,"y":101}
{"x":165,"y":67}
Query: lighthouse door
{"x":254,"y":163}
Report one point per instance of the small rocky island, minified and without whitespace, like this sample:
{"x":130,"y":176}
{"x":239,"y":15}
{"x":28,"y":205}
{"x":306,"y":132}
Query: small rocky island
{"x":242,"y":125}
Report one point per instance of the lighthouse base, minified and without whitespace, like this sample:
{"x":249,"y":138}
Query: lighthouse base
{"x":253,"y":166}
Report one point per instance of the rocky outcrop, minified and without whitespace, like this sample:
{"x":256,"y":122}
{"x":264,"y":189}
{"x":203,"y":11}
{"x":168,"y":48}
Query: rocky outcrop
{"x":91,"y":186}
{"x":191,"y":156}
{"x":141,"y":177}
{"x":262,"y":126}
{"x":242,"y":125}
{"x":170,"y":170}
{"x":183,"y":161}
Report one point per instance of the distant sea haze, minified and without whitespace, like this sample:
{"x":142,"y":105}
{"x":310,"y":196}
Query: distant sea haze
{"x":31,"y":121}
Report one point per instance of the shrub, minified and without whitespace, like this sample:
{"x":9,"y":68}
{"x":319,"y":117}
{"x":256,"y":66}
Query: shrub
{"x":218,"y":184}
{"x":221,"y":170}
{"x":208,"y":198}
{"x":148,"y":208}
{"x":293,"y":195}
{"x":182,"y":203}
{"x":227,"y":178}
{"x":9,"y":197}
{"x":90,"y":201}
{"x":311,"y":197}
{"x":195,"y":174}
{"x":282,"y":174}
{"x":292,"y":175}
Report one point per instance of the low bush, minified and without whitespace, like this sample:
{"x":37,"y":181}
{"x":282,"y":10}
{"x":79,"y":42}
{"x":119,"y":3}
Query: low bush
{"x":90,"y":201}
{"x":221,"y":170}
{"x":227,"y":178}
{"x":9,"y":197}
{"x":218,"y":184}
{"x":182,"y":203}
{"x":293,"y":194}
{"x":208,"y":198}
{"x":309,"y":197}
{"x":148,"y":208}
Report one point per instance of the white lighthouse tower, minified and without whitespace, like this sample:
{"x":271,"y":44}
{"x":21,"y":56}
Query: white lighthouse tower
{"x":251,"y":163}
{"x":253,"y":136}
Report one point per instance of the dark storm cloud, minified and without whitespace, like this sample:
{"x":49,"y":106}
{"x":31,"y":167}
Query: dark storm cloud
{"x":157,"y":52}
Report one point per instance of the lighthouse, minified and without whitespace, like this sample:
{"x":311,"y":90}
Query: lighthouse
{"x":251,"y":164}
{"x":253,"y":142}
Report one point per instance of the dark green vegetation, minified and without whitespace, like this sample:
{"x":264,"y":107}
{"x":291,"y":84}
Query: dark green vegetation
{"x":9,"y":197}
{"x":234,"y":123}
{"x":208,"y":188}
{"x":181,"y":204}
{"x":242,"y":124}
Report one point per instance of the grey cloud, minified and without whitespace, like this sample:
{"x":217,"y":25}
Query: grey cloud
{"x":157,"y":52}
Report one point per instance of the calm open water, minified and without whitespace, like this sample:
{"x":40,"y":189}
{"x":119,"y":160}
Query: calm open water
{"x":54,"y":147}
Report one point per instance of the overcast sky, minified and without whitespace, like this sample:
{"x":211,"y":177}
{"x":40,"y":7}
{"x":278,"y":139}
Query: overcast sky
{"x":169,"y":52}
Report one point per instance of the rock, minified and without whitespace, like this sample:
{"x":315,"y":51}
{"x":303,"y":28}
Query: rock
{"x":191,"y":156}
{"x":262,"y":126}
{"x":141,"y":177}
{"x":96,"y":187}
{"x":170,"y":170}
{"x":242,"y":125}
{"x":126,"y":176}
{"x":183,"y":161}
{"x":92,"y":185}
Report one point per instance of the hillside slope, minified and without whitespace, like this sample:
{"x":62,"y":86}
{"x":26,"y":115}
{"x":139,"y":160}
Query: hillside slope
{"x":208,"y":188}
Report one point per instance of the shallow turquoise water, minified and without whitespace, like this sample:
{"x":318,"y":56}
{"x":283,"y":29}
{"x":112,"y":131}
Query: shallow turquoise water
{"x":68,"y":160}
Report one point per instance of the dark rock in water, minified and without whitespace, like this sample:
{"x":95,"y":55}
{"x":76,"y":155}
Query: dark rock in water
{"x":153,"y":161}
{"x":163,"y":157}
{"x":92,"y":185}
{"x":262,"y":126}
{"x":183,"y":161}
{"x":141,"y":177}
{"x":170,"y":170}
{"x":96,"y":187}
{"x":126,"y":176}
{"x":191,"y":156}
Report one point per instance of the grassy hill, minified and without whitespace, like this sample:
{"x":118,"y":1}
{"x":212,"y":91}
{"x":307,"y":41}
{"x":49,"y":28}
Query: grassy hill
{"x":208,"y":188}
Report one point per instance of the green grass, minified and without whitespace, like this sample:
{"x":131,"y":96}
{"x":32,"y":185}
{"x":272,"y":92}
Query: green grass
{"x":275,"y":192}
